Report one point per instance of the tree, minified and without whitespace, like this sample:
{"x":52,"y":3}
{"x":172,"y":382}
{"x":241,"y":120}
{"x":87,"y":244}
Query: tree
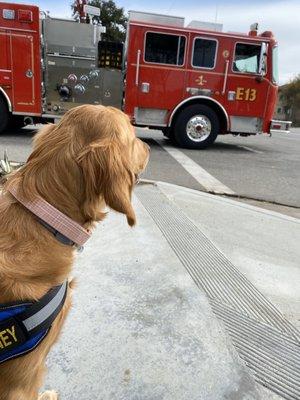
{"x":291,"y":92}
{"x":111,"y":16}
{"x":290,"y":97}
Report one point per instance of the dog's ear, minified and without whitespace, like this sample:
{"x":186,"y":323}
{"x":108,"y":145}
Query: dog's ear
{"x":26,"y":177}
{"x":107,"y":174}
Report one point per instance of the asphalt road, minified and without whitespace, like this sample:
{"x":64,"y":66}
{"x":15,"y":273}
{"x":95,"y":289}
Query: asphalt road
{"x":260,"y":170}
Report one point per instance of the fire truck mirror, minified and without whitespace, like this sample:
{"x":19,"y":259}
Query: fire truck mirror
{"x":263,"y":59}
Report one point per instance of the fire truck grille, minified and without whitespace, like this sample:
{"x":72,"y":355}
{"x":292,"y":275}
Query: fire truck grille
{"x":263,"y":338}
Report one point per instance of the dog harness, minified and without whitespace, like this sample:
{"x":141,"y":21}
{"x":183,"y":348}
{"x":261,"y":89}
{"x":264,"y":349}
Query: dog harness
{"x":24,"y":325}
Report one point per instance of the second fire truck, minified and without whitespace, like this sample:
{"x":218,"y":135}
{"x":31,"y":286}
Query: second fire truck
{"x":192,"y":82}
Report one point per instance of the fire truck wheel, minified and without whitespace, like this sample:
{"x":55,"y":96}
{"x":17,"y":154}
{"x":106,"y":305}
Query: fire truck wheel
{"x":17,"y":122}
{"x":4,"y":115}
{"x":167,"y":132}
{"x":169,"y":136}
{"x":196,"y":127}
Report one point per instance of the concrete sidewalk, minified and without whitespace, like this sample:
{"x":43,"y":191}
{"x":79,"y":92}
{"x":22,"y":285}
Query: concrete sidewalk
{"x":199,"y":302}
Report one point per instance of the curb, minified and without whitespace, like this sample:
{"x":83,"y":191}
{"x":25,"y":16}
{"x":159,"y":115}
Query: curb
{"x":219,"y":198}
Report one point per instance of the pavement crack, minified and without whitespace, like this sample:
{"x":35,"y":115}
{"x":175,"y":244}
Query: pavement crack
{"x":237,"y":196}
{"x":243,"y":197}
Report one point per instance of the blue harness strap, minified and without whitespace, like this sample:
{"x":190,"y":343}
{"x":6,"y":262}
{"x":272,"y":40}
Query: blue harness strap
{"x":24,"y":325}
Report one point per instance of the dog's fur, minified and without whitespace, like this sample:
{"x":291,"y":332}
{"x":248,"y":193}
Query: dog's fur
{"x":90,"y":159}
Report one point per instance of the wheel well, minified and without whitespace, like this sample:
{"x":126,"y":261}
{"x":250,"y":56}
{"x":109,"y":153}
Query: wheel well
{"x":214,"y":106}
{"x":5,"y":100}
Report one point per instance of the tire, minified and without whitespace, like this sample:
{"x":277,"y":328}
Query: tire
{"x":196,"y":127}
{"x":17,"y":122}
{"x":4,"y":115}
{"x":166,"y":132}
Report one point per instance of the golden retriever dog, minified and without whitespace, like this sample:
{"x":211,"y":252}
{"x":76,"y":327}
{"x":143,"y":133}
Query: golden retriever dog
{"x":89,"y":160}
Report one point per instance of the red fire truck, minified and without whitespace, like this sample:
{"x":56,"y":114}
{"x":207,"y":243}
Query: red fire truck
{"x":192,"y":82}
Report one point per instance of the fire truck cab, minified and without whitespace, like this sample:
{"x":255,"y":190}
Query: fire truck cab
{"x":192,"y":82}
{"x":196,"y":82}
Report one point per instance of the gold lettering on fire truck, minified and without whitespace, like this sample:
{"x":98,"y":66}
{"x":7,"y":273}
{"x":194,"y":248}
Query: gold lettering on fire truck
{"x":200,"y":80}
{"x":246,"y":94}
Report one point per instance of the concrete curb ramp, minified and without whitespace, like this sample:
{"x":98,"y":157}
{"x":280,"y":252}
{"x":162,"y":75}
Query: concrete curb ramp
{"x":161,"y":313}
{"x":265,"y":340}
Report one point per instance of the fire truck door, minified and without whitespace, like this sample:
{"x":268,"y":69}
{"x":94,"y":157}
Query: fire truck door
{"x":160,"y":77}
{"x":246,"y":89}
{"x":23,"y":73}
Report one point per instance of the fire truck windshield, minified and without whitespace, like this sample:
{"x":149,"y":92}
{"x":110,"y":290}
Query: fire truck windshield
{"x":275,"y":73}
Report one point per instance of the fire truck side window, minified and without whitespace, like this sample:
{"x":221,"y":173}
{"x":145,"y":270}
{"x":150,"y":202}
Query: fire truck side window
{"x":164,"y":49}
{"x":247,"y":58}
{"x":204,"y":53}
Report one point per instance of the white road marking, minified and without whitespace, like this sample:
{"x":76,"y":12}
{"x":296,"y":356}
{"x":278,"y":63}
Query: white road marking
{"x":286,"y":137}
{"x":250,"y":149}
{"x":210,"y":183}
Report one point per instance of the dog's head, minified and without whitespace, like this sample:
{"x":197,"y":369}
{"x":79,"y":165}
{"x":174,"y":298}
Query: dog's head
{"x":93,"y":150}
{"x":112,"y":157}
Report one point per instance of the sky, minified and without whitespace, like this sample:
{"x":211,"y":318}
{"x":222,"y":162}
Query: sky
{"x":280,"y":16}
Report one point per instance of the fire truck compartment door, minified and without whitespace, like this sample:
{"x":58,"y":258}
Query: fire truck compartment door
{"x":160,"y":79}
{"x":23,"y":73}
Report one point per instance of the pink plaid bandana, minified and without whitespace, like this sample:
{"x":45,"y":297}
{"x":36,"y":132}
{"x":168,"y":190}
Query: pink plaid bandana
{"x":55,"y":218}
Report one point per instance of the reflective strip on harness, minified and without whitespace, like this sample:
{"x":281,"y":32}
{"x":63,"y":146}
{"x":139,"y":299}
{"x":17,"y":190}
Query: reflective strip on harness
{"x":23,"y":326}
{"x":44,"y":313}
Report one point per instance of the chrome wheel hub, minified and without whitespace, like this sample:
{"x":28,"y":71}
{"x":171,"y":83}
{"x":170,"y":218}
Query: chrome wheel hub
{"x":198,"y":128}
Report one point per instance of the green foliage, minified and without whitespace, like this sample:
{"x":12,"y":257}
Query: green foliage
{"x":111,"y":16}
{"x":291,"y":92}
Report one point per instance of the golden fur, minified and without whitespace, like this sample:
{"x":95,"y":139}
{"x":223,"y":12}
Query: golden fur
{"x":90,"y":159}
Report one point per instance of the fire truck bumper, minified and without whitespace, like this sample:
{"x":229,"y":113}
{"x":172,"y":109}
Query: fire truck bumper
{"x":280,"y":126}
